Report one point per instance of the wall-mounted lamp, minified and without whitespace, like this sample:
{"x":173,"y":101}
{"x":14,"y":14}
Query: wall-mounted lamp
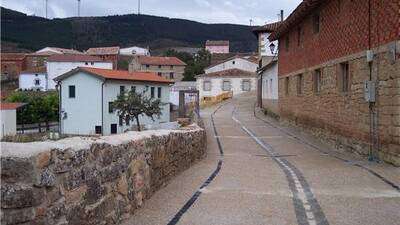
{"x":272,"y":48}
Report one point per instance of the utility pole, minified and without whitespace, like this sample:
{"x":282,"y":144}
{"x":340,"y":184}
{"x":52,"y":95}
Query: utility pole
{"x":46,"y":8}
{"x":251,"y":22}
{"x":79,"y":8}
{"x":138,"y":7}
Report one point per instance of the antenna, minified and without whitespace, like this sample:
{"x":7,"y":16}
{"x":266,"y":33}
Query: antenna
{"x":251,"y":22}
{"x":79,"y":8}
{"x":138,"y":7}
{"x":46,"y":8}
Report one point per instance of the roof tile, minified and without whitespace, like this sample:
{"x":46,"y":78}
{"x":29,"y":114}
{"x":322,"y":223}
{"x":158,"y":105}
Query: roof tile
{"x":73,"y":58}
{"x":164,"y":61}
{"x":103,"y":51}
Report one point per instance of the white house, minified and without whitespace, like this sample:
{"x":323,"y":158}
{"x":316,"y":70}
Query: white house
{"x":134,"y":51}
{"x":56,"y":50}
{"x":247,"y":63}
{"x":269,"y":90}
{"x":232,"y":80}
{"x":60,"y":64}
{"x":86,"y":96}
{"x":9,"y":118}
{"x":33,"y":79}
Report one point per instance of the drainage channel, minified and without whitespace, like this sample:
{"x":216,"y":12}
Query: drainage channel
{"x":301,"y":140}
{"x":197,"y":194}
{"x":307,"y":209}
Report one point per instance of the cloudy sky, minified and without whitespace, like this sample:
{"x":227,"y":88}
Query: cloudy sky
{"x":207,"y":11}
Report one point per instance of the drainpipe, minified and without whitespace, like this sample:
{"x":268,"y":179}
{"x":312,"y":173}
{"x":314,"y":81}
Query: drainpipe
{"x":59,"y":108}
{"x":102,"y":108}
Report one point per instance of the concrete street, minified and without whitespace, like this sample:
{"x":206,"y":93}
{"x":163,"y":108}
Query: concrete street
{"x":268,"y":174}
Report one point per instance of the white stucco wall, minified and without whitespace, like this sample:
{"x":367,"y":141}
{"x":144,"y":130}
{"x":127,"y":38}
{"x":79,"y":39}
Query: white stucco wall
{"x":27,"y":81}
{"x":265,"y":45}
{"x":216,"y":85}
{"x":8,"y":122}
{"x":270,"y":82}
{"x":134,"y":51}
{"x":55,"y":69}
{"x":237,"y":63}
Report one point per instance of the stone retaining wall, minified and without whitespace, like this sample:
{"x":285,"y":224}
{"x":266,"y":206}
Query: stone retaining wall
{"x":92,"y":180}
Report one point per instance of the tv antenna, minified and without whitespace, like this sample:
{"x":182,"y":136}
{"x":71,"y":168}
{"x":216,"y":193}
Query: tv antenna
{"x":251,"y":22}
{"x":79,"y":8}
{"x":138,"y":7}
{"x":46,"y":8}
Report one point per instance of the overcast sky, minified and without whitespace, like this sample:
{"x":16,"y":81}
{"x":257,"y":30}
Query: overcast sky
{"x":207,"y":11}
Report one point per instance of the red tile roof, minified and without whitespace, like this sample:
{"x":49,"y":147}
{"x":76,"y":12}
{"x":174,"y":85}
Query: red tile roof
{"x":217,"y":43}
{"x":229,"y":73}
{"x":103,"y":51}
{"x":118,"y":75}
{"x":10,"y":105}
{"x":73,"y":58}
{"x":270,"y":27}
{"x":41,"y":69}
{"x":12,"y":56}
{"x":302,"y":10}
{"x":163,"y":61}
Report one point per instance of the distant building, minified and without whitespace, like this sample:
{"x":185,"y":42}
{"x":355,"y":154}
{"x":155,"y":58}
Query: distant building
{"x":87,"y":94}
{"x":109,"y":54}
{"x":189,"y":50}
{"x":9,"y":118}
{"x":11,"y":65}
{"x":246,"y":63}
{"x":56,"y":50}
{"x":39,"y":58}
{"x":217,"y":46}
{"x":33,"y":79}
{"x":168,"y":67}
{"x":60,"y":64}
{"x":232,"y":80}
{"x":131,"y":51}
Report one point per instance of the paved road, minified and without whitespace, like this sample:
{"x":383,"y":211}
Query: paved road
{"x":260,"y":173}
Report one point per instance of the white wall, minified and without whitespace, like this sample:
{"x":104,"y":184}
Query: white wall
{"x":137,"y":50}
{"x":265,"y":43}
{"x":27,"y":81}
{"x":216,"y":85}
{"x":270,"y":82}
{"x":55,"y":69}
{"x":8,"y":122}
{"x":237,"y":63}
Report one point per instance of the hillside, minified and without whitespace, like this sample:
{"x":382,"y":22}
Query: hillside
{"x":31,"y":32}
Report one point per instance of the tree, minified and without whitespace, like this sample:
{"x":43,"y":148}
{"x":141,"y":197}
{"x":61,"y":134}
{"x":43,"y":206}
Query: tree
{"x":133,"y":105}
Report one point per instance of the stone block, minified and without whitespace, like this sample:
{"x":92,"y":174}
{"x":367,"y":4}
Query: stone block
{"x":17,"y":170}
{"x":17,"y":216}
{"x":20,"y":196}
{"x":43,"y":159}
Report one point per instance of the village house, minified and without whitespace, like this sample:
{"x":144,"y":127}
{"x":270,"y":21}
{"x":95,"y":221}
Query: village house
{"x":33,"y":79}
{"x":217,"y":47}
{"x":87,"y":94}
{"x":11,"y":65}
{"x":235,"y":81}
{"x":39,"y":58}
{"x":168,"y":67}
{"x":109,"y":54}
{"x":246,"y":63}
{"x":339,"y":73}
{"x":131,"y":51}
{"x":60,"y":64}
{"x":9,"y":118}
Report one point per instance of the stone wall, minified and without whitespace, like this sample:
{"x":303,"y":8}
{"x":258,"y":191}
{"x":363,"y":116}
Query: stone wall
{"x":92,"y":180}
{"x":344,"y":118}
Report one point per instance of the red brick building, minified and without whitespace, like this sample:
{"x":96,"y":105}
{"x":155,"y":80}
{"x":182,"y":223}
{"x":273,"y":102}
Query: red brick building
{"x":11,"y":65}
{"x":106,"y":54}
{"x":324,"y":69}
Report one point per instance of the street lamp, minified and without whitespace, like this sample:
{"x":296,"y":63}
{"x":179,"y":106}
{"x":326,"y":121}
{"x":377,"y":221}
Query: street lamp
{"x":272,"y":48}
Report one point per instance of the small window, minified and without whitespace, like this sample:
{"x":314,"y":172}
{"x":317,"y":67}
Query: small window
{"x":344,"y":77}
{"x":147,"y":66}
{"x":86,"y":63}
{"x":207,"y":85}
{"x":110,"y":107}
{"x":128,"y":120}
{"x":152,"y":90}
{"x":233,"y":62}
{"x":113,"y":128}
{"x":171,"y":67}
{"x":298,"y":36}
{"x":270,"y":85}
{"x":316,"y":23}
{"x":159,"y":66}
{"x":37,"y":82}
{"x":171,"y":75}
{"x":226,"y":85}
{"x":71,"y":91}
{"x":317,"y":81}
{"x":121,"y":121}
{"x":121,"y":90}
{"x":287,"y":80}
{"x":159,"y":74}
{"x":133,"y":89}
{"x":287,"y":43}
{"x":98,"y":129}
{"x":300,"y":84}
{"x":159,"y":92}
{"x":246,"y":85}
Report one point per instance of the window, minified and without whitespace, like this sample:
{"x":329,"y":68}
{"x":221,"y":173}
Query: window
{"x":317,"y":81}
{"x":121,"y":120}
{"x":98,"y":129}
{"x":246,"y":85}
{"x":121,"y":90}
{"x":233,"y":62}
{"x":207,"y":85}
{"x":152,"y":90}
{"x":316,"y":23}
{"x":171,"y":67}
{"x":298,"y":36}
{"x":37,"y":82}
{"x":287,"y":43}
{"x":159,"y":92}
{"x":300,"y":84}
{"x":147,"y":66}
{"x":171,"y":75}
{"x":110,"y":107}
{"x":287,"y":85}
{"x":133,"y":89}
{"x":270,"y":85}
{"x":159,"y":66}
{"x":86,"y":63}
{"x":92,"y":63}
{"x":71,"y":91}
{"x":127,"y":120}
{"x":226,"y":85}
{"x":344,"y":77}
{"x":113,"y":128}
{"x":159,"y":74}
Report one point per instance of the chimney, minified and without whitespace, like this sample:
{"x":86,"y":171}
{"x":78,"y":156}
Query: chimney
{"x":282,"y":15}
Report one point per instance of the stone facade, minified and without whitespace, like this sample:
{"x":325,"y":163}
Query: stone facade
{"x":92,"y":180}
{"x":172,"y":72}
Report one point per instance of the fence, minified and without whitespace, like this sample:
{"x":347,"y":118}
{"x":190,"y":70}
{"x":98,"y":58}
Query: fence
{"x":209,"y":101}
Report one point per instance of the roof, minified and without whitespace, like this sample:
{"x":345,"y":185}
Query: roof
{"x":270,"y":27}
{"x":269,"y":65}
{"x":252,"y":59}
{"x":302,"y":10}
{"x":217,"y":43}
{"x":117,"y":75}
{"x":73,"y":58}
{"x":44,"y":53}
{"x":10,"y":105}
{"x":164,"y":61}
{"x":61,"y":50}
{"x":41,"y":69}
{"x":12,"y":56}
{"x":229,"y":73}
{"x":103,"y":51}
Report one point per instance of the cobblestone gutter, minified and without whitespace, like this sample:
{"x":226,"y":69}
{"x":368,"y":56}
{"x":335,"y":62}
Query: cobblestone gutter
{"x":92,"y":180}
